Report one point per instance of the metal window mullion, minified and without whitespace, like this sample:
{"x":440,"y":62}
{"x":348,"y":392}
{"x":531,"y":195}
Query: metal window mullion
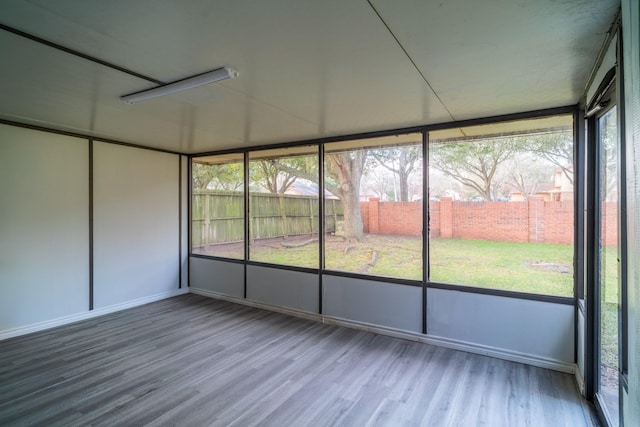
{"x":579,"y":150}
{"x":321,"y":225}
{"x":425,"y":226}
{"x":592,"y":262}
{"x":189,"y":217}
{"x":180,"y":222}
{"x":247,"y":217}
{"x":622,"y":218}
{"x":91,"y":243}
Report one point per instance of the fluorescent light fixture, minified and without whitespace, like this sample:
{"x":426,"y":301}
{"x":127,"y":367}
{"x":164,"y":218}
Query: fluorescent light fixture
{"x":180,"y":85}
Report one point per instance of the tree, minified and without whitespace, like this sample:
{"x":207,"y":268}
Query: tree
{"x":556,"y":147}
{"x":268,"y":175}
{"x":228,"y":176}
{"x":343,"y":173}
{"x":342,"y":178}
{"x":527,"y":172}
{"x":402,"y":161}
{"x":609,"y":162}
{"x":441,"y":185}
{"x":278,"y":175}
{"x":202,"y":175}
{"x":379,"y":182}
{"x":475,"y":163}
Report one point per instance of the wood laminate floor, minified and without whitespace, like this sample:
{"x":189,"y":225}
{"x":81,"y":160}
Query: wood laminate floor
{"x":195,"y":361}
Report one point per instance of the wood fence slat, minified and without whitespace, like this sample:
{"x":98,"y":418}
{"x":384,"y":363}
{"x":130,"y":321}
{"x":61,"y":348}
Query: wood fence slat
{"x":218,"y":216}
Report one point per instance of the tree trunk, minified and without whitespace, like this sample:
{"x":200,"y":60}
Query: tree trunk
{"x":346,"y":170}
{"x":404,"y":185}
{"x":353,"y":228}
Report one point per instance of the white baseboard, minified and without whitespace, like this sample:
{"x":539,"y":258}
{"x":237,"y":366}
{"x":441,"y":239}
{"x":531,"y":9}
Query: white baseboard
{"x":580,"y":381}
{"x":499,"y":353}
{"x":41,"y":326}
{"x":274,"y":308}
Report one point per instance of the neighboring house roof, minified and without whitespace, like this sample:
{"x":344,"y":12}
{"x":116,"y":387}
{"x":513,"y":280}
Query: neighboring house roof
{"x":302,"y":187}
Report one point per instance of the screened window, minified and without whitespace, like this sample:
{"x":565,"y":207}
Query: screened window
{"x":610,"y":254}
{"x":217,"y":224}
{"x":284,"y":207}
{"x":373,"y":206}
{"x":501,"y":206}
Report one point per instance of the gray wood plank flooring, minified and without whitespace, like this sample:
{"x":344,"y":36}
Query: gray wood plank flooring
{"x":195,"y":361}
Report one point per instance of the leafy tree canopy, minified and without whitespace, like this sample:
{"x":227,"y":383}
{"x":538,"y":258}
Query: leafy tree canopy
{"x":228,"y":176}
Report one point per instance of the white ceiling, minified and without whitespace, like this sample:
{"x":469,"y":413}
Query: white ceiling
{"x":308,"y":68}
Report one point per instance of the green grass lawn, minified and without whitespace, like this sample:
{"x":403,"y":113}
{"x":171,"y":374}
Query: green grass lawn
{"x":523,"y":267}
{"x":609,"y":294}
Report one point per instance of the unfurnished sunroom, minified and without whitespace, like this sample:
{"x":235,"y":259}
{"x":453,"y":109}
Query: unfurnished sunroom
{"x":453,"y":174}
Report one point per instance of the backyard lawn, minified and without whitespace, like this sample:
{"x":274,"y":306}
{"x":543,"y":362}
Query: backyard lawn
{"x":523,"y":267}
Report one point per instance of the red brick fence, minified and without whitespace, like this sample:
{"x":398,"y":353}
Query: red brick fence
{"x":530,"y":221}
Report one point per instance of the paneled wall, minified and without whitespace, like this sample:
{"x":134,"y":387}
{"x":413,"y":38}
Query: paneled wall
{"x":136,"y":228}
{"x":44,"y":226}
{"x":47,"y":232}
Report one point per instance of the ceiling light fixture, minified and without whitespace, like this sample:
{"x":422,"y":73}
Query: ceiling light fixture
{"x":180,"y":85}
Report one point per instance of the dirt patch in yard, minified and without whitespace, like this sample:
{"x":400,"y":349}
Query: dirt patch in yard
{"x":550,"y":266}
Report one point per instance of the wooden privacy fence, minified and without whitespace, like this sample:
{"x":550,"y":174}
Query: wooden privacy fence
{"x":218,"y":216}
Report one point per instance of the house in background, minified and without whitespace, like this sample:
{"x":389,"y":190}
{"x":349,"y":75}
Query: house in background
{"x":560,"y":190}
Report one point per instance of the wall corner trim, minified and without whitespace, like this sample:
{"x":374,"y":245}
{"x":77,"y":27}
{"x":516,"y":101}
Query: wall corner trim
{"x":65,"y":320}
{"x":580,"y":382}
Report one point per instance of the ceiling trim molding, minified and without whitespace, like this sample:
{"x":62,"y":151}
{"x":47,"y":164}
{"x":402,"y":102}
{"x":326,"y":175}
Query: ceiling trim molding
{"x":569,"y":109}
{"x":86,"y":137}
{"x":78,"y":54}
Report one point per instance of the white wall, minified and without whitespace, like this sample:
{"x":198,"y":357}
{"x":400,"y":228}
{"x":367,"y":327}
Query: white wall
{"x":44,"y":226}
{"x":136,"y":226}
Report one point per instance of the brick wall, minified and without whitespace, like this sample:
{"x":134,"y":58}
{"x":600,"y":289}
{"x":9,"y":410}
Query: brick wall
{"x":530,"y":221}
{"x":558,"y":218}
{"x":364,"y":211}
{"x":434,"y":219}
{"x":496,"y":221}
{"x":403,"y":218}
